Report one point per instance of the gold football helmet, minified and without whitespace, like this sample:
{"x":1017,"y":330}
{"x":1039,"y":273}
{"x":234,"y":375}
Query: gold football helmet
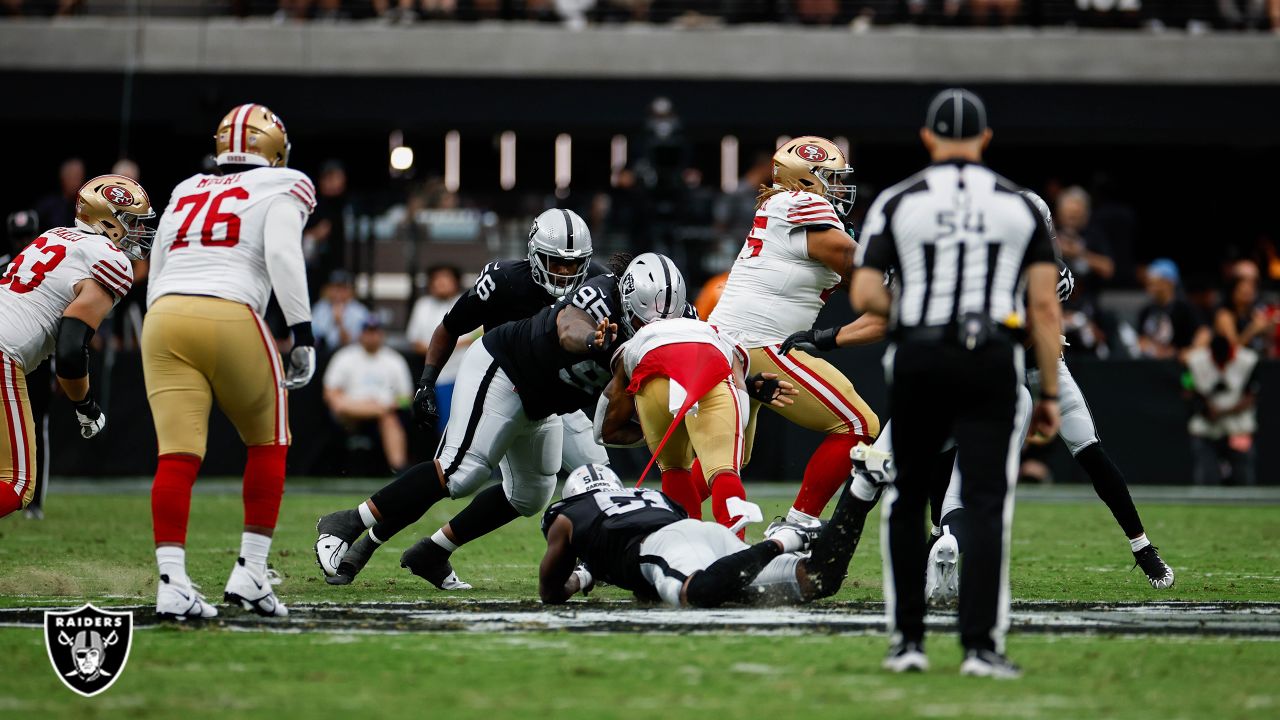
{"x":115,"y":206}
{"x":252,"y":135}
{"x":817,"y":165}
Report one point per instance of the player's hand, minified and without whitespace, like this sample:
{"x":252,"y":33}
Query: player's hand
{"x":90,"y":417}
{"x":812,"y":341}
{"x":1044,"y":422}
{"x":302,"y":366}
{"x":606,"y":332}
{"x":425,"y":410}
{"x":768,"y":389}
{"x":586,"y":583}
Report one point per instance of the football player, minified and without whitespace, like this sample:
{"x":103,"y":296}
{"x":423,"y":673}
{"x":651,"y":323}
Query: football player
{"x":559,"y":261}
{"x":53,"y":296}
{"x":226,"y":242}
{"x":671,"y":365}
{"x":514,"y":383}
{"x":641,"y":540}
{"x":796,"y":255}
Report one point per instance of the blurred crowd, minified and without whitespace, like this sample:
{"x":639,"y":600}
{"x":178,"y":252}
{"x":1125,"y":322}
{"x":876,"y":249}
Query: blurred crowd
{"x":1194,"y":15}
{"x":1217,"y":321}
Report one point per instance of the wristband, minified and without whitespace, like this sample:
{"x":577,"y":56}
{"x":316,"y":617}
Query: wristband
{"x":84,"y":404}
{"x":825,"y":339}
{"x":302,"y":336}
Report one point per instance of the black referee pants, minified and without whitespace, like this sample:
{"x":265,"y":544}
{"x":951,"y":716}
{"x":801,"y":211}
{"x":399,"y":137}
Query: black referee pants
{"x":940,"y":391}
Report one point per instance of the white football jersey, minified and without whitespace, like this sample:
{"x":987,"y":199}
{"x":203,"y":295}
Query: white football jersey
{"x":210,"y":238}
{"x":40,"y":283}
{"x":774,"y":288}
{"x":677,"y":330}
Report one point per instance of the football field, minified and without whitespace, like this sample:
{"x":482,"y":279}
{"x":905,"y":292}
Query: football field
{"x":1093,"y":637}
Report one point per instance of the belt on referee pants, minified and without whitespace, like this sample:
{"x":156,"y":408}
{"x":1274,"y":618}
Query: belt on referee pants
{"x":950,"y":334}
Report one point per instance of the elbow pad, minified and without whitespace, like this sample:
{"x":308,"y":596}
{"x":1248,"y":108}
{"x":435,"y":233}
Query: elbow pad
{"x":73,"y":348}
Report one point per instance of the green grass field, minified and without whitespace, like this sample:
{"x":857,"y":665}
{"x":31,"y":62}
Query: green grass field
{"x":97,"y":548}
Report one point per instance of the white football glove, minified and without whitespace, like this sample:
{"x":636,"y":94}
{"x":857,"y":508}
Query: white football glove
{"x":302,"y":366}
{"x":90,"y":417}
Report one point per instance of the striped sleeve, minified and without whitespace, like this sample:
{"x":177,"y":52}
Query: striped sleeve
{"x":115,"y":276}
{"x":812,"y":209}
{"x":304,"y":191}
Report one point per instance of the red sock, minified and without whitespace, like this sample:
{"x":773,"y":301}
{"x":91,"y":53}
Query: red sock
{"x":9,"y":500}
{"x":171,"y":496}
{"x":677,"y":484}
{"x":827,"y":470}
{"x":724,"y":486}
{"x":699,"y":481}
{"x":264,"y":484}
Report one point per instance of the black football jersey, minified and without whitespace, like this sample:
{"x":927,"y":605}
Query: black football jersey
{"x":504,"y":291}
{"x":608,"y":527}
{"x":550,"y":379}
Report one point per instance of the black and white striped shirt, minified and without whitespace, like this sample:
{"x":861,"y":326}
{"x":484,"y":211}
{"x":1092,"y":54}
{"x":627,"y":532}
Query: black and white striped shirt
{"x":959,"y":238}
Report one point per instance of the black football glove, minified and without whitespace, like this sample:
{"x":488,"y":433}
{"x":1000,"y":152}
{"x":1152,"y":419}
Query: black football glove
{"x":811,"y":341}
{"x":761,"y":389}
{"x":425,"y":410}
{"x":90,"y":417}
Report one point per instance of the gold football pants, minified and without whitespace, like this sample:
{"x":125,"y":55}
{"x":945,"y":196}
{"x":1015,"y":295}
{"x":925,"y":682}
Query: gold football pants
{"x":714,"y":434}
{"x":17,"y":432}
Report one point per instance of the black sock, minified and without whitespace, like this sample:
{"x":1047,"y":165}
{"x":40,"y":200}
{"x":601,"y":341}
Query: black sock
{"x":832,"y":551}
{"x":1109,"y":483}
{"x":727,"y":578}
{"x":953,"y":524}
{"x":404,"y":500}
{"x":488,"y":511}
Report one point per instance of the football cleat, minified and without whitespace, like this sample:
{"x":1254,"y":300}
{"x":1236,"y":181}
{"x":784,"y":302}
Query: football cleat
{"x":33,"y":512}
{"x":252,"y":593}
{"x":942,"y":576}
{"x":876,"y":464}
{"x":1159,"y":574}
{"x":795,"y":537}
{"x":906,"y":657}
{"x":181,"y":602}
{"x":354,"y":561}
{"x":986,"y":663}
{"x":430,"y":562}
{"x":336,"y":533}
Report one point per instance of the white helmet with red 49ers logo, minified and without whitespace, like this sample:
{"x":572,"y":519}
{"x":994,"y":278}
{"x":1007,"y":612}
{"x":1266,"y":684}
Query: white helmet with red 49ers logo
{"x":816,"y":165}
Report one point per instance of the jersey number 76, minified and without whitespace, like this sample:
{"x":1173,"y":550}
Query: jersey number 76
{"x":213,"y":217}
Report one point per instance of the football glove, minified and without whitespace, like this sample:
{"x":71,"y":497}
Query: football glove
{"x":90,"y":417}
{"x":586,"y":583}
{"x":425,"y":410}
{"x":811,"y":340}
{"x":302,"y":366}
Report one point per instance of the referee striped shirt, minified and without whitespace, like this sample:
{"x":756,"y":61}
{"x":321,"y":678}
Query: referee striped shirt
{"x":959,"y":238}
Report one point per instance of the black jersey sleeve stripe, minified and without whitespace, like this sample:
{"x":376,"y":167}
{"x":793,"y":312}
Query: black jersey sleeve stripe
{"x":477,"y":412}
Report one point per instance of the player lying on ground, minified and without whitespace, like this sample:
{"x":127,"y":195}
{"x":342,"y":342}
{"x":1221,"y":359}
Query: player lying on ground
{"x":797,"y":254}
{"x":1077,"y":430}
{"x":53,"y":296}
{"x":690,"y":394}
{"x":642,"y":541}
{"x":559,"y":261}
{"x":227,"y":242}
{"x":514,"y":383}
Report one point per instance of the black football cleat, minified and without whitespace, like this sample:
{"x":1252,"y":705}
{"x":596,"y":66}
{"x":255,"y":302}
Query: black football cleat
{"x":1159,"y":574}
{"x":430,"y":562}
{"x":335,"y":533}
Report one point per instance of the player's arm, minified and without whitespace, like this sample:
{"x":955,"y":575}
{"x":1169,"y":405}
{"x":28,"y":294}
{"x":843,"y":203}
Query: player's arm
{"x":1044,"y":320}
{"x":287,"y":269}
{"x":79,"y":322}
{"x":580,"y":334}
{"x":557,"y":579}
{"x":617,"y":428}
{"x":867,"y":329}
{"x":833,"y":248}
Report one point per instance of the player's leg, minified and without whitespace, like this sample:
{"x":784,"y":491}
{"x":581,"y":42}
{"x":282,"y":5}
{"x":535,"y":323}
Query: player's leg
{"x":175,"y":348}
{"x":717,"y":436}
{"x":827,"y":403}
{"x":528,"y":482}
{"x":759,"y":573}
{"x":669,"y":555}
{"x":1080,"y":433}
{"x":39,"y":393}
{"x":17,"y":439}
{"x":676,"y":459}
{"x":580,"y":446}
{"x":248,"y":384}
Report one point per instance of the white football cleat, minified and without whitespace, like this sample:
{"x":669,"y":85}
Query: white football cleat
{"x":181,"y":602}
{"x":942,"y":575}
{"x":336,"y":531}
{"x":252,"y":593}
{"x":876,"y":464}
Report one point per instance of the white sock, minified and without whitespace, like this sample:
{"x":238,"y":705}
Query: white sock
{"x":439,"y":538}
{"x":1139,"y":542}
{"x":172,"y":561}
{"x":374,"y":538}
{"x":795,"y":516}
{"x":366,"y":515}
{"x":254,"y":549}
{"x":862,"y":488}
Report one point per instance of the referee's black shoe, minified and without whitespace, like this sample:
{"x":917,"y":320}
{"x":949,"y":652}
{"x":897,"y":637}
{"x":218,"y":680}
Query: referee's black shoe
{"x":1159,"y":574}
{"x":988,"y":663}
{"x":906,"y":657}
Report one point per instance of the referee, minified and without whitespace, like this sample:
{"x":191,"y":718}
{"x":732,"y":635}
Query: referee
{"x":972,"y":259}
